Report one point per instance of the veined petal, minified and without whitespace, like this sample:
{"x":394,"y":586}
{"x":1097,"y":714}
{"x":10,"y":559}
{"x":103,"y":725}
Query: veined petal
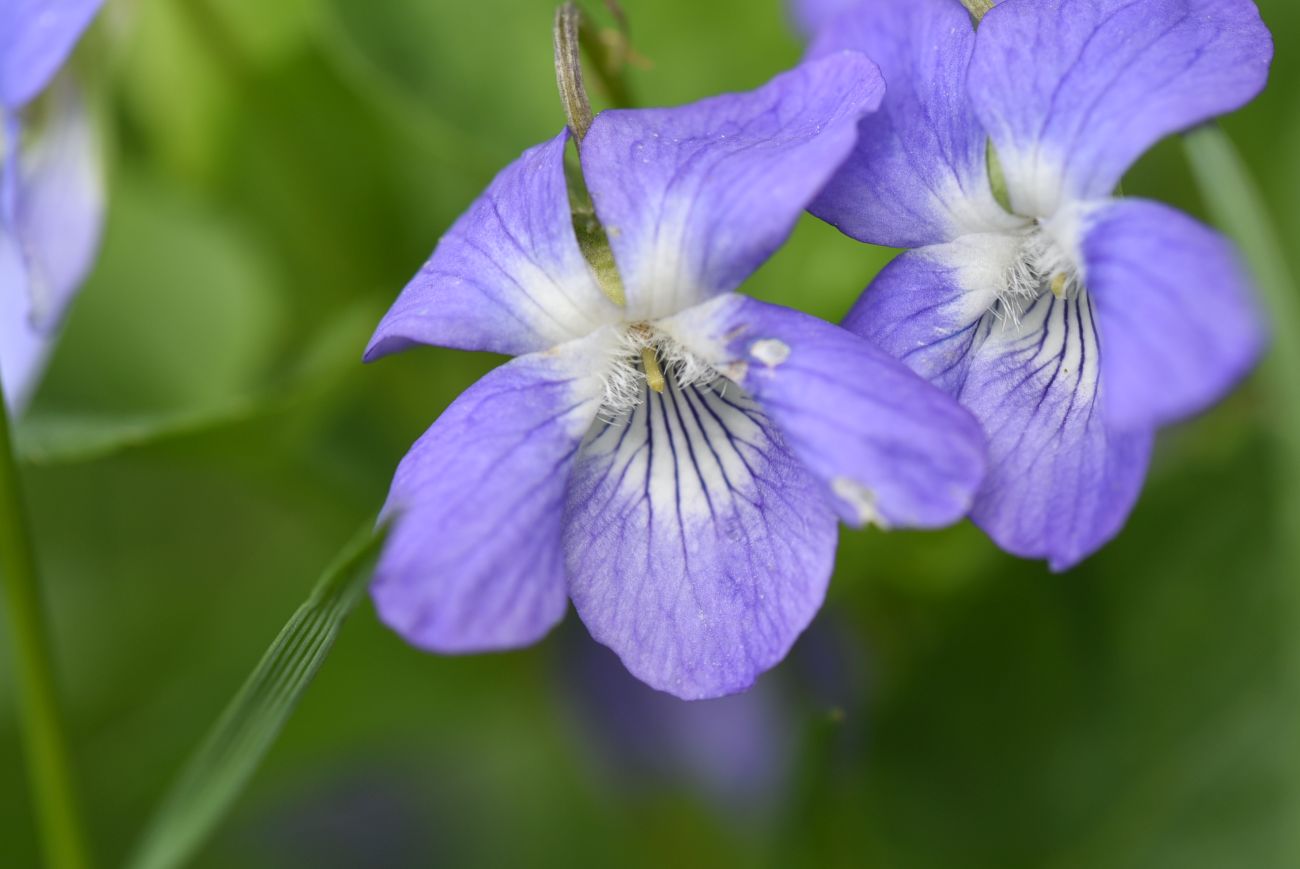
{"x":36,"y":37}
{"x":918,"y":174}
{"x":695,"y":198}
{"x":1073,"y":91}
{"x":509,"y":276}
{"x":1062,"y":479}
{"x":474,"y":560}
{"x":925,"y":307}
{"x":698,"y":547}
{"x":888,"y":447}
{"x":1174,"y":305}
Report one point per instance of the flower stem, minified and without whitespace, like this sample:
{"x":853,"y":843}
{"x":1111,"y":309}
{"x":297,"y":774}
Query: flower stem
{"x":46,"y":747}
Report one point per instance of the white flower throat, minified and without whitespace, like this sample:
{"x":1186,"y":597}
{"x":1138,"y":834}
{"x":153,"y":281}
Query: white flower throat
{"x":646,"y":360}
{"x":1046,"y":261}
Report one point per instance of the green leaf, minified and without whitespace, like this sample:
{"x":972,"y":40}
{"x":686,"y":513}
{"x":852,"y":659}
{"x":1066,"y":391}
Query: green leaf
{"x":59,"y":437}
{"x":232,"y":751}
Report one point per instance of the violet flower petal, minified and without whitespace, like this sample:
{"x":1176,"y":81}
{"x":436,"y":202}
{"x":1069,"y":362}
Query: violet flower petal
{"x":698,"y":546}
{"x":36,"y":37}
{"x":925,"y":308}
{"x":54,"y":215}
{"x":509,"y":276}
{"x":887,"y":446}
{"x":474,"y":560}
{"x":60,"y":209}
{"x":1073,"y":91}
{"x":1175,"y":310}
{"x":695,"y":198}
{"x":23,"y":350}
{"x":1061,"y":480}
{"x":918,"y":173}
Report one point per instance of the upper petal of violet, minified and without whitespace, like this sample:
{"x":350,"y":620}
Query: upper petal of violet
{"x":918,"y":172}
{"x":695,"y":198}
{"x":36,"y":37}
{"x":509,"y":276}
{"x":1073,"y":91}
{"x":888,"y":447}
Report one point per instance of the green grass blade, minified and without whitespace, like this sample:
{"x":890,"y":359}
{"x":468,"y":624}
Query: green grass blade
{"x":228,"y":757}
{"x":1236,"y":205}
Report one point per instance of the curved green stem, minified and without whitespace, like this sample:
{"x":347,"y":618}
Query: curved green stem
{"x":47,"y":755}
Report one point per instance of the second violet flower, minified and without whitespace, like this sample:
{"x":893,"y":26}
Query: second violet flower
{"x":1071,"y":321}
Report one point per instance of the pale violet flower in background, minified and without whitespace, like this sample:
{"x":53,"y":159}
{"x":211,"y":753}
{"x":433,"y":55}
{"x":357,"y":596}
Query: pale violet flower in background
{"x":1076,"y":323}
{"x":51,"y":185}
{"x":742,"y":753}
{"x":674,"y":464}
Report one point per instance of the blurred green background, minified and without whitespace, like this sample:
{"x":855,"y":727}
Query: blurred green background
{"x":207,"y":438}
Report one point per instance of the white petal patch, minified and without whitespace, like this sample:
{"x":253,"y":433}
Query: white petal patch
{"x":861,"y":499}
{"x":1052,"y":351}
{"x":698,"y":547}
{"x":770,"y":352}
{"x":686,"y":446}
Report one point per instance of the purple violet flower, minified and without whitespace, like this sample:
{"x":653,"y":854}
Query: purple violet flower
{"x":1073,"y":323}
{"x":673,"y":461}
{"x":51,"y":185}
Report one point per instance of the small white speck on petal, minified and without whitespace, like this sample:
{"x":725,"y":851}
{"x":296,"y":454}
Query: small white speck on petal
{"x":861,"y":499}
{"x":770,"y":351}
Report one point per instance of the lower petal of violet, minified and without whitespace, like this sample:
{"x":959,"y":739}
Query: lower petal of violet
{"x":1062,"y":480}
{"x":698,"y":547}
{"x":474,"y":559}
{"x":1174,"y":303}
{"x":888,"y":447}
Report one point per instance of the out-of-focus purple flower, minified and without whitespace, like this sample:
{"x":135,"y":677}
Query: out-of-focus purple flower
{"x":670,"y":455}
{"x":51,"y":185}
{"x":1074,"y":323}
{"x":741,"y":751}
{"x":737,"y":750}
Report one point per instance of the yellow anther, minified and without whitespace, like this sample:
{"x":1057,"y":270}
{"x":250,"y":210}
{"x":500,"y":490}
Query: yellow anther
{"x":654,"y":378}
{"x":1058,"y":284}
